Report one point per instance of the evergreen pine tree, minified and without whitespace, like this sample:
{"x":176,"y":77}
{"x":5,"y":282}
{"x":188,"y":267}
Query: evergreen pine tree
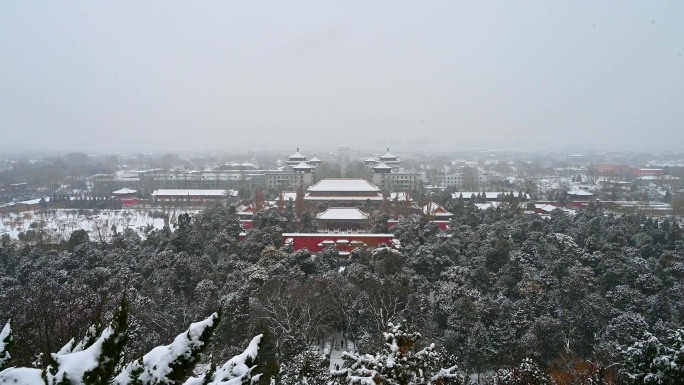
{"x":95,"y":359}
{"x":527,"y":373}
{"x":174,"y":362}
{"x":398,"y":363}
{"x":6,"y":341}
{"x":306,"y":368}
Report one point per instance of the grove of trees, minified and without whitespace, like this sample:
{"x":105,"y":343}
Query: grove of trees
{"x":504,"y":295}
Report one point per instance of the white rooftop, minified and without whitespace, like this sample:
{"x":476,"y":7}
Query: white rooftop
{"x":388,"y":156}
{"x":342,"y":213}
{"x":297,"y":156}
{"x":373,"y":198}
{"x":302,"y":166}
{"x":343,"y":185}
{"x":435,"y":209}
{"x":488,"y":194}
{"x":287,"y":196}
{"x":658,"y":177}
{"x":399,"y":196}
{"x":488,"y":205}
{"x":382,"y":166}
{"x":124,"y":191}
{"x":580,"y":193}
{"x":189,"y":192}
{"x":34,"y":201}
{"x":545,"y":207}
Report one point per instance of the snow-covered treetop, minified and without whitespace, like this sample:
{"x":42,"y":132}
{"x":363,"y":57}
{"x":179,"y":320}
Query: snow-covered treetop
{"x":6,"y":340}
{"x":162,"y":364}
{"x":397,"y":363}
{"x":96,"y":359}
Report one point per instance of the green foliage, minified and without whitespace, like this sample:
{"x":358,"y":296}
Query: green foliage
{"x":399,"y":363}
{"x":111,"y":349}
{"x":78,"y":237}
{"x":527,"y":373}
{"x":6,"y":344}
{"x":652,"y":361}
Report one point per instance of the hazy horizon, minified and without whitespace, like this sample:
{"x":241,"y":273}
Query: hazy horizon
{"x":214,"y":76}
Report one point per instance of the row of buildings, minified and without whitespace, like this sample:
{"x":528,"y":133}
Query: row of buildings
{"x":298,"y":171}
{"x":344,"y":224}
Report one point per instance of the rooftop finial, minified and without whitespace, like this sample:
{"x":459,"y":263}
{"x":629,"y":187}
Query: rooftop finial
{"x":387,"y":149}
{"x":297,"y":149}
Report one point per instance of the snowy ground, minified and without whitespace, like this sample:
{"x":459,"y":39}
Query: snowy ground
{"x":59,"y":224}
{"x":339,"y":344}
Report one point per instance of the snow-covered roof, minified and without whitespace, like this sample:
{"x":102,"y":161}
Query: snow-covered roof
{"x":399,"y":196}
{"x":434,"y":209}
{"x":370,"y":159}
{"x":382,"y":166}
{"x":485,"y":206}
{"x":342,"y":213}
{"x":297,"y":156}
{"x":315,"y":159}
{"x":302,"y":166}
{"x":240,"y":165}
{"x":580,"y":193}
{"x":658,"y":177}
{"x":488,"y":194}
{"x":124,"y":191}
{"x":189,"y":192}
{"x":388,"y":156}
{"x":34,"y":201}
{"x":372,"y":198}
{"x":287,"y":196}
{"x":343,"y":185}
{"x":545,"y":207}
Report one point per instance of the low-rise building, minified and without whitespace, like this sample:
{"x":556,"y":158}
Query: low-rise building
{"x":301,"y":177}
{"x":191,"y":195}
{"x":342,"y":219}
{"x":388,"y":179}
{"x":436,"y":212}
{"x":344,"y":243}
{"x":490,"y":196}
{"x":343,"y":191}
{"x":126,"y":196}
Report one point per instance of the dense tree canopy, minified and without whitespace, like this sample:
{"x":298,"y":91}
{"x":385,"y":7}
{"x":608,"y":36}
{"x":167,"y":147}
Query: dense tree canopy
{"x":499,"y":288}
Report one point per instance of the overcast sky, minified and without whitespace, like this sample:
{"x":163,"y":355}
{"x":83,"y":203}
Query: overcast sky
{"x":170,"y":75}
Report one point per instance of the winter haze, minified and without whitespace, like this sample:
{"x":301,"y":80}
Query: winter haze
{"x":174,"y":76}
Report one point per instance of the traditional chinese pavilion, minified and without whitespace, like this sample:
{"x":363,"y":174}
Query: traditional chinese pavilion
{"x":343,"y":191}
{"x":342,"y":219}
{"x":126,"y":196}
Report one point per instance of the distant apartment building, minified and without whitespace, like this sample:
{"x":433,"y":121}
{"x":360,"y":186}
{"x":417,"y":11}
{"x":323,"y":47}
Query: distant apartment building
{"x":298,"y":173}
{"x":459,"y":180}
{"x":612,"y":169}
{"x":450,"y":180}
{"x":288,"y":180}
{"x":388,"y":176}
{"x":649,"y":171}
{"x":385,"y":177}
